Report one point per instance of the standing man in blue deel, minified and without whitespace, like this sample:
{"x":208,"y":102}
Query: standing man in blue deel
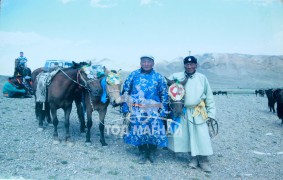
{"x":147,"y":95}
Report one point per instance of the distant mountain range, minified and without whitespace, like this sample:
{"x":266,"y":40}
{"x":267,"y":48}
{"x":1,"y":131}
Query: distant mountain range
{"x":233,"y":70}
{"x":228,"y":71}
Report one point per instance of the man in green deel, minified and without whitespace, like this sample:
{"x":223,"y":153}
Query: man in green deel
{"x":10,"y":90}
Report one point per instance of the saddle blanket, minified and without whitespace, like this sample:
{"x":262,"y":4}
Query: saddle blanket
{"x":43,"y":80}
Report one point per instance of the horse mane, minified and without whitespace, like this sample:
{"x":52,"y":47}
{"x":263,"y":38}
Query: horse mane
{"x":170,"y":82}
{"x":112,"y":70}
{"x":106,"y":70}
{"x":80,"y":64}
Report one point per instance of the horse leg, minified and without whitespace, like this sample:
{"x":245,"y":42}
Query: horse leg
{"x":101,"y":126}
{"x":47,"y":113}
{"x":55,"y":124}
{"x":89,"y":125}
{"x":80,"y":115}
{"x":36,"y":111}
{"x":40,"y":115}
{"x":67,"y":121}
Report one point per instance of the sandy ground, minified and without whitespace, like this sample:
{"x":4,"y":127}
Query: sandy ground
{"x":249,"y":146}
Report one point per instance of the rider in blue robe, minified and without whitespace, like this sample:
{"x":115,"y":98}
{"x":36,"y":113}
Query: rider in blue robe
{"x":146,"y":100}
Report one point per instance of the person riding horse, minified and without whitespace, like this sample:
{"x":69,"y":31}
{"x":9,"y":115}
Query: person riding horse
{"x":21,"y":66}
{"x":22,"y":73}
{"x":22,"y":70}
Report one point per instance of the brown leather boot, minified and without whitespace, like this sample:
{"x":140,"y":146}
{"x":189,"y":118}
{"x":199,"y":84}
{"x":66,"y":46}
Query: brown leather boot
{"x":204,"y":164}
{"x":152,"y":154}
{"x":143,"y":149}
{"x":193,"y":162}
{"x":142,"y":158}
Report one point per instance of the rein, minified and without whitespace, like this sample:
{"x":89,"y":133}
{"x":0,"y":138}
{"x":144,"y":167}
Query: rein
{"x":90,"y":100}
{"x":74,"y":80}
{"x":211,"y":123}
{"x":85,"y":81}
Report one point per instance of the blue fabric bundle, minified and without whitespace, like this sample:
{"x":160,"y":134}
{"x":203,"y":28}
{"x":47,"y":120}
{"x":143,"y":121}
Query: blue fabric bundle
{"x":104,"y":94}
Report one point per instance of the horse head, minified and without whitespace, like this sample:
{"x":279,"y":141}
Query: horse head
{"x":91,"y":81}
{"x":113,"y":86}
{"x":176,"y":92}
{"x":96,"y":77}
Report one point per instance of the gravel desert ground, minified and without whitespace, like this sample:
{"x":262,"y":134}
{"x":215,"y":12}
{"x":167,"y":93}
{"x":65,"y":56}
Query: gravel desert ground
{"x":249,"y":146}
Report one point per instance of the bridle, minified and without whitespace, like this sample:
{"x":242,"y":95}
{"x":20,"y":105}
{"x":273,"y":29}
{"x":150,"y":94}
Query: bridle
{"x":86,"y":82}
{"x":111,"y":82}
{"x":173,"y":98}
{"x":176,"y":102}
{"x":112,"y":91}
{"x":77,"y":82}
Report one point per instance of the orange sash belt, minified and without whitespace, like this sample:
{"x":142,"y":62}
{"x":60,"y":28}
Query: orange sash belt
{"x":149,"y":105}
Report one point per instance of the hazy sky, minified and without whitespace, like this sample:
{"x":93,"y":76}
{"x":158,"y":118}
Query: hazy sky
{"x":123,"y":30}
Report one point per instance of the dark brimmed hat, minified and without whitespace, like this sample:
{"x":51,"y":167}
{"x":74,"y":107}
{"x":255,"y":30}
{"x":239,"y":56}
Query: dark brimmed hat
{"x":190,"y":59}
{"x":147,"y":57}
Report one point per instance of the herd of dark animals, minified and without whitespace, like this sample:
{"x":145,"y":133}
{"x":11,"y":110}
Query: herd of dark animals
{"x":260,"y":92}
{"x":275,"y":96}
{"x":220,"y":93}
{"x":72,"y":84}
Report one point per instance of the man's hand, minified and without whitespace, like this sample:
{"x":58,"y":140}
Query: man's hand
{"x":125,"y":114}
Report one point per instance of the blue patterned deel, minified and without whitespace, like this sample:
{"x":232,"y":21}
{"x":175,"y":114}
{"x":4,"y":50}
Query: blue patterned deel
{"x":146,"y":99}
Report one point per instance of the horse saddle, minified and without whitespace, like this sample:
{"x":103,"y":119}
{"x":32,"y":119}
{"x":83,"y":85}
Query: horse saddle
{"x":43,"y":80}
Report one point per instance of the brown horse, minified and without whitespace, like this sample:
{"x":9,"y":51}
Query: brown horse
{"x":34,"y":74}
{"x":94,"y":103}
{"x":69,"y":85}
{"x":62,"y":91}
{"x":42,"y":110}
{"x":65,"y":88}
